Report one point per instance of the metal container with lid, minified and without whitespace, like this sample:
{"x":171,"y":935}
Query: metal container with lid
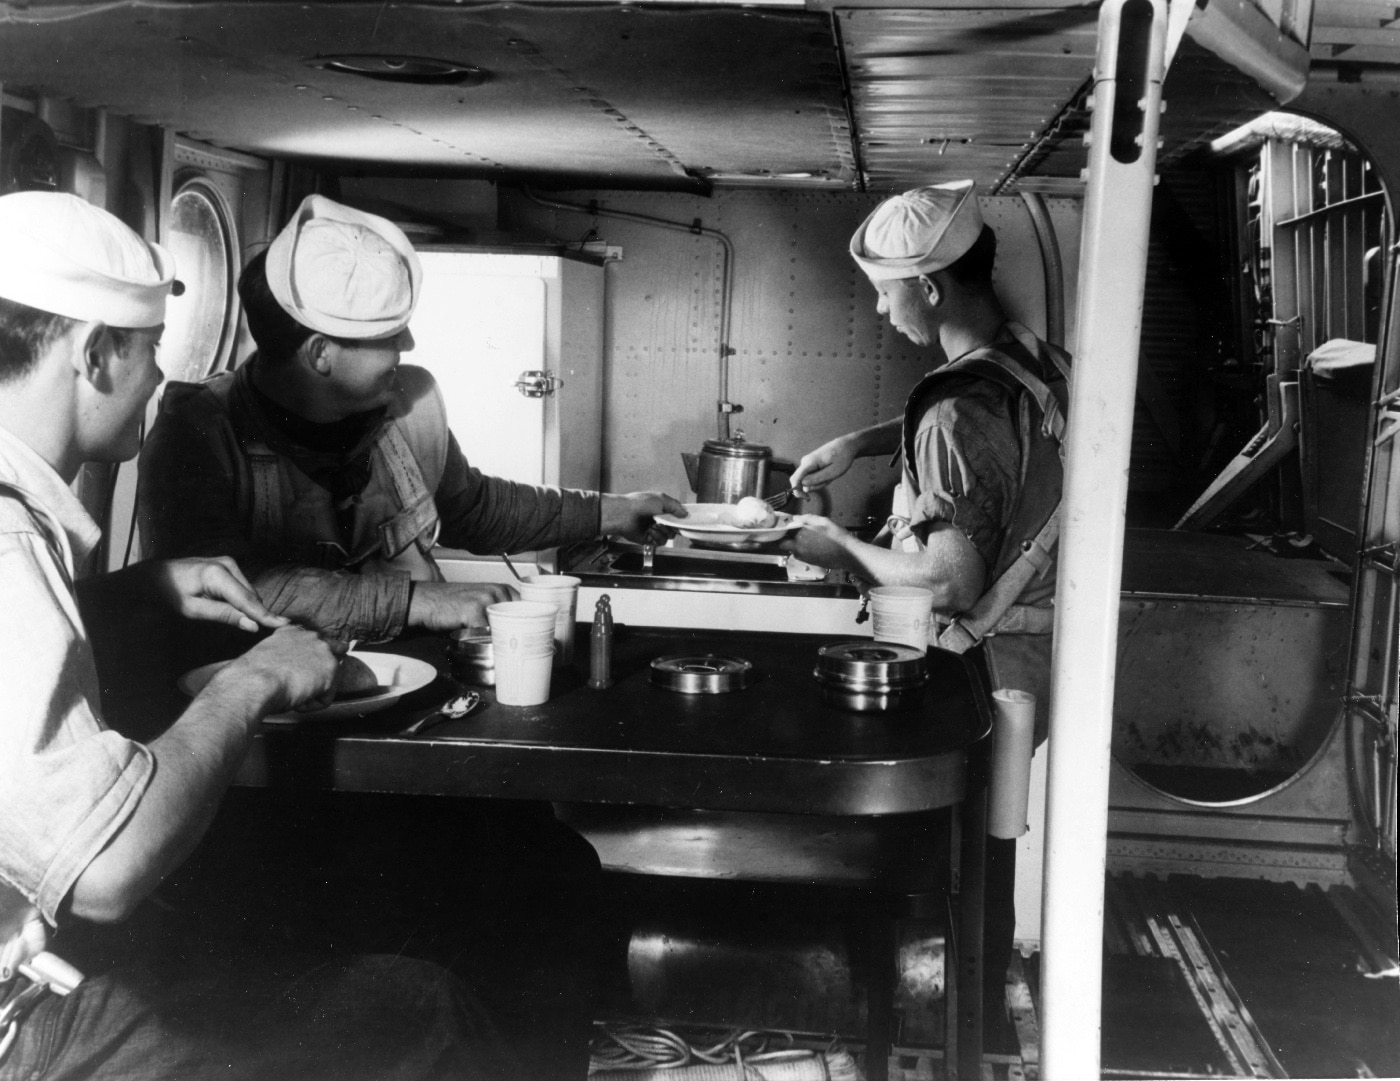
{"x":870,"y":676}
{"x":707,"y":673}
{"x":727,"y":470}
{"x":471,"y":657}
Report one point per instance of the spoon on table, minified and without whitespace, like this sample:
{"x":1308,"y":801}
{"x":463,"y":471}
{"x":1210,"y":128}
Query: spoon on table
{"x":453,"y":709}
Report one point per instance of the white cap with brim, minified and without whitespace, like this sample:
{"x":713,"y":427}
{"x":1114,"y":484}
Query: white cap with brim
{"x":919,"y":232}
{"x":62,"y":255}
{"x":343,"y":272}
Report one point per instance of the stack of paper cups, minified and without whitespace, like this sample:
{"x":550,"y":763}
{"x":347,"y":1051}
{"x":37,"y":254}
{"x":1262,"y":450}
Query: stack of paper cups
{"x":1013,"y":743}
{"x":560,"y":590}
{"x":901,"y":614}
{"x":522,"y":641}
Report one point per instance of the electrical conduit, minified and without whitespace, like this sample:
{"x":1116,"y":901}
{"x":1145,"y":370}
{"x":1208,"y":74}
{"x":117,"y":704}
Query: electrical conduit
{"x":723,"y":406}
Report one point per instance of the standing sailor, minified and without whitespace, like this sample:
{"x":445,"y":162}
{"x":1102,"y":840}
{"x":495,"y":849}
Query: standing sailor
{"x":975,"y":515}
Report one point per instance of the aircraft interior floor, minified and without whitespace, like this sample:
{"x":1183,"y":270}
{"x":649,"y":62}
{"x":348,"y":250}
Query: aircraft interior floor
{"x":1202,"y":978}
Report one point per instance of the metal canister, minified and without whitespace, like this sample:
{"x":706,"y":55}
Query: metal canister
{"x":471,"y":656}
{"x":871,"y":677}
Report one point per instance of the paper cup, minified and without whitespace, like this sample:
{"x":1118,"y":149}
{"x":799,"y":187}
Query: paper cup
{"x":901,"y":614}
{"x":518,"y":612}
{"x":560,"y":590}
{"x":522,"y":679}
{"x":519,"y":627}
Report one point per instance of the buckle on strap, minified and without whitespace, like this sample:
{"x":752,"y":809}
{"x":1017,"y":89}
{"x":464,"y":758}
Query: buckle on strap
{"x":958,"y":636}
{"x":1037,"y":555}
{"x":955,"y":637}
{"x":18,"y":1008}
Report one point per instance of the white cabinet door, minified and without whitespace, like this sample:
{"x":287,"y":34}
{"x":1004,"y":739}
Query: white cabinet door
{"x":477,"y":328}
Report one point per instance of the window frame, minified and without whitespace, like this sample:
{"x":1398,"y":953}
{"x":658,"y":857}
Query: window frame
{"x":202,"y":182}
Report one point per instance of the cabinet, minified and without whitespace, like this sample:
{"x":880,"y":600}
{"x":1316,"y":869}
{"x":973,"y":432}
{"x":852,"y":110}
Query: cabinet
{"x":515,"y":341}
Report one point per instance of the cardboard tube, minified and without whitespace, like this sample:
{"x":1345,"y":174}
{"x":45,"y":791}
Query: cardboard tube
{"x":1013,"y":743}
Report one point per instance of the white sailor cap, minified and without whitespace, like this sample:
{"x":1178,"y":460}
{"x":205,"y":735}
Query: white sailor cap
{"x":918,"y":232}
{"x":61,"y":254}
{"x":344,"y":272}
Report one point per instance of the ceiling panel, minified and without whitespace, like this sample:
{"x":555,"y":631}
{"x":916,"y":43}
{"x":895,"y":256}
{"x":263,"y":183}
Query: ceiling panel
{"x":943,"y":94}
{"x":637,"y":95}
{"x":631,"y":95}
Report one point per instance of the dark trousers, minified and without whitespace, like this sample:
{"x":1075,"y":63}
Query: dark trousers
{"x":498,"y":892}
{"x":999,"y":934}
{"x":376,"y":1018}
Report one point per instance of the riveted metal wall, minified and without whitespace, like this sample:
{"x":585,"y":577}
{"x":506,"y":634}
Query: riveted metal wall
{"x":812,"y":359}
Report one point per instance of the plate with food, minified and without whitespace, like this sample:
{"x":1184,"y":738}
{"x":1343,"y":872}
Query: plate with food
{"x":366,"y":683}
{"x":746,"y":523}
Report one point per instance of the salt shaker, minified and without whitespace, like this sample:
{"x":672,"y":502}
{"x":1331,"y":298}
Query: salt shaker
{"x":600,"y":643}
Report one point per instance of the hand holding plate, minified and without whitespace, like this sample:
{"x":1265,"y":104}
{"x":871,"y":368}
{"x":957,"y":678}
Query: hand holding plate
{"x":634,"y":515}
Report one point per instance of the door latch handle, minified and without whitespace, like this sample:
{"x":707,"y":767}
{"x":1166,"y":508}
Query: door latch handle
{"x":538,"y":384}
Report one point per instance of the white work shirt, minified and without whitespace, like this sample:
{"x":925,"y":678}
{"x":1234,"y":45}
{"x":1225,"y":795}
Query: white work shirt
{"x":67,"y":783}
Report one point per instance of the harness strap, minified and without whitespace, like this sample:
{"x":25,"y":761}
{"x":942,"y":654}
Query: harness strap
{"x":419,"y":512}
{"x":996,"y":611}
{"x":47,"y":974}
{"x":267,"y":495}
{"x":417,"y":516}
{"x":1053,"y":416}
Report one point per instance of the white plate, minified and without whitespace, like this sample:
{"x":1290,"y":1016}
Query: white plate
{"x":712,"y":523}
{"x":401,"y":675}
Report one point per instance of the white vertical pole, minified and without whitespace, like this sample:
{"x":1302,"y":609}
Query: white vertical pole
{"x":1113,"y":264}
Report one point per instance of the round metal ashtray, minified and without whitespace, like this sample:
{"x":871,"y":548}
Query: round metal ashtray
{"x":471,"y":656}
{"x":871,"y":677}
{"x":705,"y":673}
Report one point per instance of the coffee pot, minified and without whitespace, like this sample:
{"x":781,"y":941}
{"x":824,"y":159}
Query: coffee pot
{"x":727,"y":470}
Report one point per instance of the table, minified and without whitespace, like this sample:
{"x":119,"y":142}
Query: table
{"x":773,"y":747}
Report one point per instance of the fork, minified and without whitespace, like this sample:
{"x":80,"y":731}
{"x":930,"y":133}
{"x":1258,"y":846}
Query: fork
{"x":777,"y":499}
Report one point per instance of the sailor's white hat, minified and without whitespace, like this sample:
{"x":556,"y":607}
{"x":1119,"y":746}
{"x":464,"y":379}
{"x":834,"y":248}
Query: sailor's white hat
{"x":61,"y":254}
{"x":921,"y":231}
{"x":343,"y":272}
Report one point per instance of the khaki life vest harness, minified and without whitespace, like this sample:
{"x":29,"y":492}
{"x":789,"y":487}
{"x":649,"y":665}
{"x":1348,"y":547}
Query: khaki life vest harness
{"x":263,"y":502}
{"x":997,"y":610}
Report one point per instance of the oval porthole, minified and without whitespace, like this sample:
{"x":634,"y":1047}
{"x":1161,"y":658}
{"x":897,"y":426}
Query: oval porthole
{"x":199,"y":323}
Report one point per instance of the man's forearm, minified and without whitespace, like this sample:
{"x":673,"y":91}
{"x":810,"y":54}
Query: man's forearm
{"x":487,"y":515}
{"x":372,"y":607}
{"x":882,"y":438}
{"x":196,"y":759}
{"x":947,"y":565}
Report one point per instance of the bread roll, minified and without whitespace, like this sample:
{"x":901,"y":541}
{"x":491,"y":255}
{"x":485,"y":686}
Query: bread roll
{"x":753,"y":513}
{"x":355,"y":678}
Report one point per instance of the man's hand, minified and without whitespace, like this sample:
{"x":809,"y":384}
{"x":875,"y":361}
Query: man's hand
{"x":298,"y":667}
{"x":632,"y":516}
{"x":820,"y":467}
{"x":211,"y":589}
{"x":820,"y":541}
{"x":445,"y":606}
